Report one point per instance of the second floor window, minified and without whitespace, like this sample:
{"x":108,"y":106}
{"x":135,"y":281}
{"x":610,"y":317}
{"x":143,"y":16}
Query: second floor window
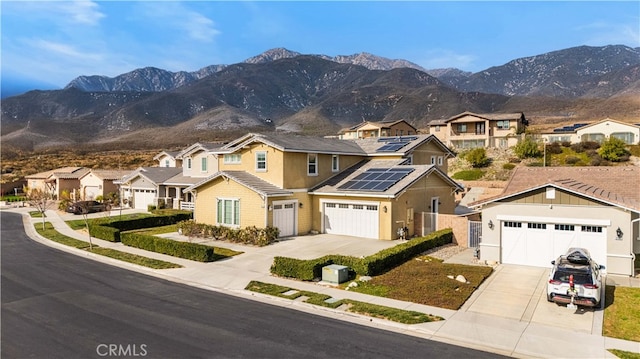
{"x":503,"y":125}
{"x":233,"y":158}
{"x":261,"y":161}
{"x":189,"y":163}
{"x":335,"y":163}
{"x":312,"y":164}
{"x":204,"y":164}
{"x":462,"y":127}
{"x":166,"y":163}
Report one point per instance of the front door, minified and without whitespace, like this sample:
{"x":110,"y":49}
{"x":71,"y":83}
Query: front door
{"x":284,"y":217}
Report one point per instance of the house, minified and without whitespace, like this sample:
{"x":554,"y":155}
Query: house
{"x":98,"y":183}
{"x":368,"y":129}
{"x":366,"y":188}
{"x":56,"y":181}
{"x":471,"y":130}
{"x":544,"y":211}
{"x":145,"y":186}
{"x":168,"y":159}
{"x":597,"y":132}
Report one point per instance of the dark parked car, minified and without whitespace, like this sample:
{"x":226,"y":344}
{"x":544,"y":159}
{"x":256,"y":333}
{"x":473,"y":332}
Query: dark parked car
{"x":86,"y":207}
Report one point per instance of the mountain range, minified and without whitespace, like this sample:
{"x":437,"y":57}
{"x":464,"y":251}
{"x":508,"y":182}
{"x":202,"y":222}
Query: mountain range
{"x":317,"y":94}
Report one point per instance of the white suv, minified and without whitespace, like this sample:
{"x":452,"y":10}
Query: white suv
{"x":577,"y":266}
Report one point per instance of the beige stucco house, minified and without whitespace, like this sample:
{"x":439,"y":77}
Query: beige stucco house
{"x":98,"y":183}
{"x":597,"y":131}
{"x":544,"y":211}
{"x":365,"y":188}
{"x":471,"y":130}
{"x":57,"y":180}
{"x":368,"y":129}
{"x":168,"y":159}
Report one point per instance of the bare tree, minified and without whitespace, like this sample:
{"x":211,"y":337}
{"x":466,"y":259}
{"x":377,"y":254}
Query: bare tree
{"x":41,"y":200}
{"x":83,"y":209}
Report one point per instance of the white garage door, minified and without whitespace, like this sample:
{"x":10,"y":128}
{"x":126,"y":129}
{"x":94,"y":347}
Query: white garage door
{"x":284,"y":218}
{"x":537,"y":244}
{"x":143,"y":197}
{"x":91,"y":192}
{"x":351,"y":219}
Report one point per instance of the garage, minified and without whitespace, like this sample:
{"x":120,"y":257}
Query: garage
{"x":358,"y":219}
{"x":143,"y":197}
{"x":91,"y":192}
{"x":284,"y":217}
{"x":537,"y":243}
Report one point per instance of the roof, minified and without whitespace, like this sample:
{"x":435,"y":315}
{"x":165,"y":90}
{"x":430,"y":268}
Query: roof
{"x":108,"y":175}
{"x":379,"y":124}
{"x":371,"y":145}
{"x":172,"y":154}
{"x":47,"y":174}
{"x":616,"y":185}
{"x":156,"y":175}
{"x":297,"y":143}
{"x":181,"y":180}
{"x":489,"y":116}
{"x":199,"y":146}
{"x":75,"y":174}
{"x":246,"y":179}
{"x":607,"y":120}
{"x":336,"y":185}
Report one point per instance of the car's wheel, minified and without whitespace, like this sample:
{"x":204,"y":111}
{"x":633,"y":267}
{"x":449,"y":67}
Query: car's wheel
{"x":549,"y":298}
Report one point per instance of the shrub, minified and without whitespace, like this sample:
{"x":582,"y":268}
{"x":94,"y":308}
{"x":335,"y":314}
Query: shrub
{"x":554,"y":148}
{"x":477,"y":157}
{"x":468,"y":175}
{"x":577,"y":147}
{"x":527,"y":148}
{"x":571,"y":160}
{"x":534,"y":164}
{"x":186,"y":250}
{"x":614,"y":149}
{"x":150,"y":208}
{"x":508,"y":166}
{"x":566,"y":143}
{"x":248,"y":235}
{"x":590,"y":145}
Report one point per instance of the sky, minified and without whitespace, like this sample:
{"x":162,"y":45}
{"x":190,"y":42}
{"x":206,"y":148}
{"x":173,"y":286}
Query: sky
{"x":46,"y":44}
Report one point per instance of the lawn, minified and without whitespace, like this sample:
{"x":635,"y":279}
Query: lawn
{"x":622,"y":313}
{"x":426,"y":280}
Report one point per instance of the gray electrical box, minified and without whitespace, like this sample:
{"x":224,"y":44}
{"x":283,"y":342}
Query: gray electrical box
{"x":335,"y":274}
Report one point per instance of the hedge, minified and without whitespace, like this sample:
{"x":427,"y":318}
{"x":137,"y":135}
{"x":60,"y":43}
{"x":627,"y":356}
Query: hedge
{"x":186,"y":250}
{"x":374,"y":264}
{"x":111,"y":231}
{"x":249,"y":235}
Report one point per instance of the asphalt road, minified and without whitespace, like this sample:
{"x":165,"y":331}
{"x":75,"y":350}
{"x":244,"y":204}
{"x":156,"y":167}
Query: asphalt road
{"x":58,"y":305}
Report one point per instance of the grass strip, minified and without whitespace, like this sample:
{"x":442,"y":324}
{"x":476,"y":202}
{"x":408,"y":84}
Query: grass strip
{"x":624,"y":354}
{"x":621,"y":313}
{"x":50,"y":233}
{"x":37,"y":214}
{"x":354,"y":306}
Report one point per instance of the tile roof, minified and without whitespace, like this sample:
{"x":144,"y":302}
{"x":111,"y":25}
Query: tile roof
{"x":618,"y":185}
{"x":46,"y":174}
{"x":109,"y":174}
{"x":75,"y":174}
{"x":246,"y":179}
{"x":157,"y":175}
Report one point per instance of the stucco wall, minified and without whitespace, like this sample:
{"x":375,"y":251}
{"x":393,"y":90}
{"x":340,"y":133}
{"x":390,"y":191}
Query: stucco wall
{"x":253,"y":211}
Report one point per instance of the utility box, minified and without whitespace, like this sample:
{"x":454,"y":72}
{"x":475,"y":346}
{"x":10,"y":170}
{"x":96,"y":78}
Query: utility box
{"x":335,"y":273}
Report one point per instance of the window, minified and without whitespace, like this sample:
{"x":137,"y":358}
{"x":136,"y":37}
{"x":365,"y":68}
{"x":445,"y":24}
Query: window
{"x":550,"y":193}
{"x":203,"y":162}
{"x":330,"y":205}
{"x":166,"y":163}
{"x":440,"y":160}
{"x":437,"y":128}
{"x":462,"y":127}
{"x":229,"y":211}
{"x":261,"y":161}
{"x":233,"y":158}
{"x":513,"y":224}
{"x":189,"y":163}
{"x":343,"y":206}
{"x":358,"y":206}
{"x":372,"y":208}
{"x":312,"y":164}
{"x":537,"y":225}
{"x":565,"y":227}
{"x":503,"y":125}
{"x":433,"y":160}
{"x":594,"y":229}
{"x":399,"y":132}
{"x":335,"y":163}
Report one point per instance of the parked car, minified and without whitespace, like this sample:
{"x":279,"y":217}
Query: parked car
{"x":575,"y":274}
{"x":81,"y":207}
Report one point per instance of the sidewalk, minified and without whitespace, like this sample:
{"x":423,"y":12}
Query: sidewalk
{"x":517,"y":338}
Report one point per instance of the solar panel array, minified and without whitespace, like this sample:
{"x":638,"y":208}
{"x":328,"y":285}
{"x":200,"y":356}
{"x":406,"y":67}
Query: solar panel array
{"x":569,"y":128}
{"x":392,"y":144}
{"x":376,"y":179}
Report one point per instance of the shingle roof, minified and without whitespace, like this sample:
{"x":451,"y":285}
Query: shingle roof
{"x":156,"y":175}
{"x":46,"y":174}
{"x":298,"y":143}
{"x":109,"y":174}
{"x":618,"y":185}
{"x":246,"y":179}
{"x":489,"y":116}
{"x":75,"y":174}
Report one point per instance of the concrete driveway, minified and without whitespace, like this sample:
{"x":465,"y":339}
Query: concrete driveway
{"x":519,"y":292}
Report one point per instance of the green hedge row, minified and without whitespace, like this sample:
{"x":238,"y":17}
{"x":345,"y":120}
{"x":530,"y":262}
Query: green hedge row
{"x":111,"y":231}
{"x":374,"y":264}
{"x":249,"y":235}
{"x":186,"y":250}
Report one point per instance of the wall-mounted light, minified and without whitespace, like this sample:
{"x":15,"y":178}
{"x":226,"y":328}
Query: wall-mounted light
{"x":384,"y":209}
{"x":490,"y":224}
{"x":270,"y":208}
{"x":619,"y":233}
{"x":300,"y":204}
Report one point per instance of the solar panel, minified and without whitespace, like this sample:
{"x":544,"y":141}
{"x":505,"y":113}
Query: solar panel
{"x":392,"y":147}
{"x":376,"y":179}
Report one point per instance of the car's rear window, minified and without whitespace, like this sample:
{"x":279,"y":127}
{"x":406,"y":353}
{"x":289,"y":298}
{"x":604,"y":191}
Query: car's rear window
{"x":578,"y":277}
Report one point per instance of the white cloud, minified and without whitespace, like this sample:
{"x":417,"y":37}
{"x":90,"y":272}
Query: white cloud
{"x":200,"y":27}
{"x":82,"y":11}
{"x":67,"y":51}
{"x":443,"y":58}
{"x":175,"y":15}
{"x":602,"y":33}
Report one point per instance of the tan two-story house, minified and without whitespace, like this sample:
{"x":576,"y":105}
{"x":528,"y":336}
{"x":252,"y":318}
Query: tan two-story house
{"x":368,"y":129}
{"x":472,"y":130}
{"x":365,"y":188}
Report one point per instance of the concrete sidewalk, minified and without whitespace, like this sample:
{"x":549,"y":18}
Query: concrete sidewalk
{"x":501,"y":335}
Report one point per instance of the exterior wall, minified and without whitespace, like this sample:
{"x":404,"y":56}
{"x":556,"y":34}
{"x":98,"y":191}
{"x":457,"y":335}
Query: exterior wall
{"x":440,"y":131}
{"x":304,"y":211}
{"x":141,"y":182}
{"x":253,"y":211}
{"x":458,"y":224}
{"x":90,"y":180}
{"x":376,"y":130}
{"x":196,"y":165}
{"x":274,"y":172}
{"x":162,"y":161}
{"x":492,"y":136}
{"x":607,"y":128}
{"x":618,"y":251}
{"x":37,"y":183}
{"x":69,"y":185}
{"x":422,"y":155}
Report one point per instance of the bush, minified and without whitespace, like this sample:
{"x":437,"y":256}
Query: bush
{"x":151,"y":208}
{"x":571,"y":160}
{"x":468,"y":175}
{"x":508,"y":166}
{"x":248,"y":235}
{"x":566,"y":143}
{"x":110,"y":231}
{"x":527,"y":148}
{"x":554,"y":148}
{"x":614,"y":149}
{"x":186,"y":250}
{"x":375,"y":264}
{"x":477,"y":157}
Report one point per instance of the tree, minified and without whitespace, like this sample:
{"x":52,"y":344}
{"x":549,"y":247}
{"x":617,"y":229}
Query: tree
{"x":527,"y":148}
{"x":614,"y":150}
{"x":84,"y":211}
{"x":41,"y":200}
{"x":478,"y":157}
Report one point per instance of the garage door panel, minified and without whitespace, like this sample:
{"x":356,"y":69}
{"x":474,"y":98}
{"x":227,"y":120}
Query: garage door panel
{"x":351,"y":219}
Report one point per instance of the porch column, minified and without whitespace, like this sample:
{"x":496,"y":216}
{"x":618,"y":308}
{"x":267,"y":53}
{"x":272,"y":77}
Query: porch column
{"x":176,"y":204}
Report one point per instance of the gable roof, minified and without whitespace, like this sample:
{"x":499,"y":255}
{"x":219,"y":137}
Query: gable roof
{"x":371,"y":145}
{"x":379,"y":124}
{"x":47,"y":174}
{"x":616,"y":185}
{"x":199,"y":146}
{"x":333,"y":184}
{"x":246,"y":179}
{"x":107,"y":175}
{"x":157,"y":175}
{"x":606,"y":120}
{"x":296,"y":143}
{"x":172,"y":154}
{"x":488,"y":116}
